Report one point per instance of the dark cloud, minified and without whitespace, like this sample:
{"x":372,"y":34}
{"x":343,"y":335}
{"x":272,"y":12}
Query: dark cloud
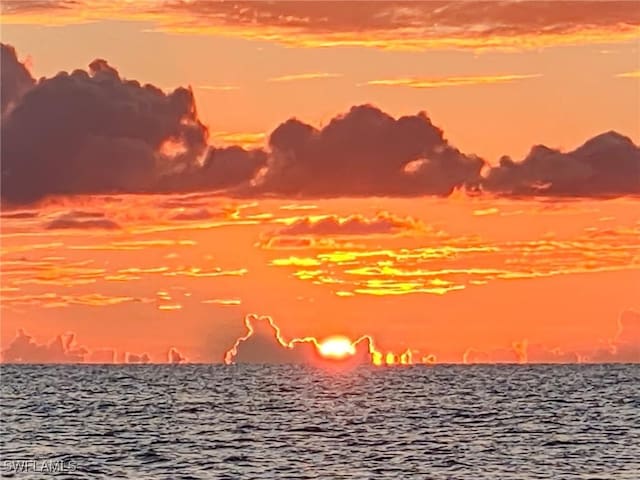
{"x":98,"y":133}
{"x":15,"y":79}
{"x":365,"y":152}
{"x":608,"y":164}
{"x":82,"y":221}
{"x":264,"y":343}
{"x":23,"y":349}
{"x":223,"y":168}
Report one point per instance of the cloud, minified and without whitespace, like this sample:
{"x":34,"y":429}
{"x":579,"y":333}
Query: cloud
{"x":222,"y":168}
{"x":225,"y":302}
{"x":383,"y":223}
{"x":242,"y":139}
{"x":263,"y":342}
{"x":365,"y":152}
{"x":174,"y":356}
{"x":449,"y":81}
{"x":62,"y":349}
{"x":380,"y":24}
{"x":304,"y":76}
{"x":632,"y":74}
{"x":199,"y":214}
{"x":96,"y":133}
{"x":443,"y":263}
{"x":82,"y":221}
{"x":15,"y":78}
{"x":101,"y":355}
{"x":53,"y":300}
{"x":608,"y":164}
{"x":136,"y":358}
{"x":99,"y":133}
{"x":625,"y":346}
{"x":21,"y":215}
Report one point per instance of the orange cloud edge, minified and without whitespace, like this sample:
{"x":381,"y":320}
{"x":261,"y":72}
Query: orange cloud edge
{"x":364,"y":349}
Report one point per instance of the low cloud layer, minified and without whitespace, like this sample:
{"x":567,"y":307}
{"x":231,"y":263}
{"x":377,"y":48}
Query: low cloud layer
{"x":62,"y":349}
{"x":99,"y":133}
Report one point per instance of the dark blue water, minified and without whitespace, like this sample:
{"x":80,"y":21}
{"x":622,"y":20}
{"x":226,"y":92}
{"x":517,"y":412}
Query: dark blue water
{"x":262,"y":422}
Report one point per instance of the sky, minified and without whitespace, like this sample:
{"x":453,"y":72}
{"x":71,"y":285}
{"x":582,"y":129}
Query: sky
{"x":448,"y":182}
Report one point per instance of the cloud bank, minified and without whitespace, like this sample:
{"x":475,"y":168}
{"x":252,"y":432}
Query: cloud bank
{"x":608,"y":164}
{"x":99,"y":133}
{"x":263,"y":343}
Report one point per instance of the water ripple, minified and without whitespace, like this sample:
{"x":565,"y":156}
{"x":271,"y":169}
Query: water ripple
{"x":260,"y":422}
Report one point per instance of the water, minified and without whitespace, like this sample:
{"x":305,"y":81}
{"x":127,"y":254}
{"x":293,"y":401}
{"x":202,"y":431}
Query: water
{"x":262,"y":422}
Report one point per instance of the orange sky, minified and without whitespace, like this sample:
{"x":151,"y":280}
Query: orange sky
{"x":462,"y":277}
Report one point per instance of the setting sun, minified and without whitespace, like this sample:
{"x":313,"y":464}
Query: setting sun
{"x":336,"y":347}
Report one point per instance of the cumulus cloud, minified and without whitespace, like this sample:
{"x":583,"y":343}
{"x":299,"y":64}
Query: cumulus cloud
{"x":365,"y":152}
{"x":608,"y":164}
{"x":263,"y":343}
{"x":96,"y":133}
{"x":100,"y":133}
{"x":62,"y":349}
{"x":223,"y":168}
{"x":15,"y":78}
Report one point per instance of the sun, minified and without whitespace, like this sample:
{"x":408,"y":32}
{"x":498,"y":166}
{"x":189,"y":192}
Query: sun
{"x":336,"y":348}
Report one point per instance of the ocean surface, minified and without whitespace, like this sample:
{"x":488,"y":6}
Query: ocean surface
{"x":267,"y":422}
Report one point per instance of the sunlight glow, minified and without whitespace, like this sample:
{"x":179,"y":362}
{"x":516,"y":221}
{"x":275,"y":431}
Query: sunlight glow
{"x":336,"y":347}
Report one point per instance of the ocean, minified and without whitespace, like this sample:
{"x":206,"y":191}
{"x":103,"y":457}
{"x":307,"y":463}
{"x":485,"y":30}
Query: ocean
{"x":297,"y":422}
